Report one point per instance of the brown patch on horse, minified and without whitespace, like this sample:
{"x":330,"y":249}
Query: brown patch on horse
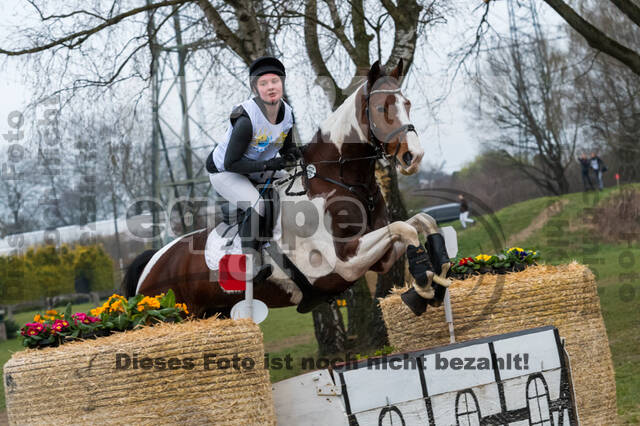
{"x":350,"y":217}
{"x":192,"y":281}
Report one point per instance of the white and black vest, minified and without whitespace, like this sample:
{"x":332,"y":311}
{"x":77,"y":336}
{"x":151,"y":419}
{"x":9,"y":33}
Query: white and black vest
{"x":267,"y":138}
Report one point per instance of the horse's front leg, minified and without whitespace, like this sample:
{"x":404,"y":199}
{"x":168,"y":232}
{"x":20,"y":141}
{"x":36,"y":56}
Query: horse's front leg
{"x":373,"y":246}
{"x":429,"y":228}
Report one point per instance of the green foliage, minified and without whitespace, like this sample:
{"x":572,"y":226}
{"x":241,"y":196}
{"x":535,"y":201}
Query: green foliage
{"x":48,"y":271}
{"x":12,"y":328}
{"x":117,"y":314}
{"x":509,"y":260}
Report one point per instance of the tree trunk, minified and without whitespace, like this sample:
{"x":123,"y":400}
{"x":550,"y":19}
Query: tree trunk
{"x":329,"y":329}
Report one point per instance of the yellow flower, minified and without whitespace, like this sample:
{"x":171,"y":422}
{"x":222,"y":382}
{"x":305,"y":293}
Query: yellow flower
{"x":38,"y":318}
{"x":115,"y":297}
{"x":148,"y":302}
{"x":516,"y":249}
{"x":52,"y":312}
{"x":116,"y":306}
{"x":484,"y":257}
{"x":96,"y":312}
{"x":182,"y":307}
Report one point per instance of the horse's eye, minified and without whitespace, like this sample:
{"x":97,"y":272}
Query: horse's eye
{"x":381,"y":109}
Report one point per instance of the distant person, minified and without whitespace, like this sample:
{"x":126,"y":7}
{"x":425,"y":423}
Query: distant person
{"x":585,"y":165}
{"x":598,"y":167}
{"x":464,"y":212}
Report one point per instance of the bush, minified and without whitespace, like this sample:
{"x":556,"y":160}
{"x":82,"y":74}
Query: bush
{"x":12,"y":328}
{"x":49,"y":271}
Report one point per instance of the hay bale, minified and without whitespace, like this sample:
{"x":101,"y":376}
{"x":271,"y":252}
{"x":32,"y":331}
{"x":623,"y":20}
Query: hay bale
{"x":564,"y":296}
{"x":78,"y":383}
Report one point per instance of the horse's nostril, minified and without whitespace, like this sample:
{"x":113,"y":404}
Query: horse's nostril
{"x":407,"y":157}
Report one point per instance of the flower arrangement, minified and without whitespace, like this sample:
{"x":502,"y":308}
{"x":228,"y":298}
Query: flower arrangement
{"x":509,"y":260}
{"x":116,"y":314}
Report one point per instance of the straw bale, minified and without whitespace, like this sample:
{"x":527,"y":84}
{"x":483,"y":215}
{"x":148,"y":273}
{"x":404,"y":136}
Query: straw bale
{"x":78,"y":383}
{"x":564,"y":296}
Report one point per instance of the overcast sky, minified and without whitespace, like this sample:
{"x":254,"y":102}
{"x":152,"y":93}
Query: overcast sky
{"x":445,"y":131}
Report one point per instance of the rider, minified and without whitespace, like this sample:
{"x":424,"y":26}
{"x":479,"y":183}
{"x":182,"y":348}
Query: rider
{"x":260,"y":129}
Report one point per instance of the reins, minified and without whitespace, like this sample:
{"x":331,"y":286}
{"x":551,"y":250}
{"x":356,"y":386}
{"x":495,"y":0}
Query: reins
{"x":370,"y":197}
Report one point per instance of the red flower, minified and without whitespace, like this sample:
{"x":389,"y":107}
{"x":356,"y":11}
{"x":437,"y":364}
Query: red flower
{"x":465,"y":261}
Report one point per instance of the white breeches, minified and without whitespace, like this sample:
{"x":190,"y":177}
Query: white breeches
{"x":239,"y":190}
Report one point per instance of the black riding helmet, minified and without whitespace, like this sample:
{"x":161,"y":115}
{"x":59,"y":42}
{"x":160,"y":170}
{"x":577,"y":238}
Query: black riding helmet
{"x":265,"y":65}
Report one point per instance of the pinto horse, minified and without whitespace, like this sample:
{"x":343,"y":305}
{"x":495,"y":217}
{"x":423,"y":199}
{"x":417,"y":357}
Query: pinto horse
{"x":346,"y":230}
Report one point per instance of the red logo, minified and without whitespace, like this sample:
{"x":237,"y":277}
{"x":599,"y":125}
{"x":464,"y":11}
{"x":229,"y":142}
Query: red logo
{"x":232,"y":272}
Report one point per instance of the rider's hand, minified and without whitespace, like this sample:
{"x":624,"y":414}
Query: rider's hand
{"x":277,"y":163}
{"x":291,"y":157}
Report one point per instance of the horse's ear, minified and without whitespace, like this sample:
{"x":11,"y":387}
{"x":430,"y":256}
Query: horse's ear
{"x":374,"y":73}
{"x":397,"y":71}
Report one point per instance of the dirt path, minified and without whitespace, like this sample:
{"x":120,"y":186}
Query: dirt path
{"x":4,"y":420}
{"x":537,"y":223}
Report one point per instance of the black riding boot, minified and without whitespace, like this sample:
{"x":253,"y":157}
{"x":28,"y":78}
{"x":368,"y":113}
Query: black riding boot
{"x":251,"y":245}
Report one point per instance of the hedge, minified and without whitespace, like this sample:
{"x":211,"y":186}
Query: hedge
{"x":49,"y":271}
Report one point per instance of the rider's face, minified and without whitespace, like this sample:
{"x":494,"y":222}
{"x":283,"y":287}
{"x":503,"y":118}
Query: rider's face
{"x":269,"y":88}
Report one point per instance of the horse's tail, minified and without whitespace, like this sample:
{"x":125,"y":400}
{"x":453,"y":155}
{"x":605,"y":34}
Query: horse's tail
{"x":130,"y":281}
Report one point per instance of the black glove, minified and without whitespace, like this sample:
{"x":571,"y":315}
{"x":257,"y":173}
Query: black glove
{"x":277,"y":163}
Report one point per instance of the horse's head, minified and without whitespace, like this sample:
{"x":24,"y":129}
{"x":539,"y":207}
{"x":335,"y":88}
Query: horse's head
{"x":385,"y":118}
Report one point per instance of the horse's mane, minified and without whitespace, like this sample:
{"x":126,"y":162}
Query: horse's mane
{"x":383,"y":73}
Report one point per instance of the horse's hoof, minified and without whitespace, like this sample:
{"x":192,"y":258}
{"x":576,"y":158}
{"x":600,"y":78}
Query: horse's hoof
{"x":414,"y":301}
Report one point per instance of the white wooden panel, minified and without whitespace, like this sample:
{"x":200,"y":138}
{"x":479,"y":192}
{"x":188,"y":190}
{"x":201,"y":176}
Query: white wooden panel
{"x":370,"y":388}
{"x":413,"y":413}
{"x":297,"y":402}
{"x":448,"y":379}
{"x":444,"y":405}
{"x":542,"y":350}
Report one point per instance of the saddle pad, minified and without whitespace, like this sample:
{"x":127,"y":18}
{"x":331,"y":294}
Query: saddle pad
{"x":216,"y":247}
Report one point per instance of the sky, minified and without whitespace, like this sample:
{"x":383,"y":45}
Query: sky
{"x":445,"y":126}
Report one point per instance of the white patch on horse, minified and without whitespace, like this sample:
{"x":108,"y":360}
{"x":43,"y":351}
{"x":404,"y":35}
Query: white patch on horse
{"x":373,"y":246}
{"x":342,"y":122}
{"x":413,"y":142}
{"x":154,"y":259}
{"x":314,"y":253}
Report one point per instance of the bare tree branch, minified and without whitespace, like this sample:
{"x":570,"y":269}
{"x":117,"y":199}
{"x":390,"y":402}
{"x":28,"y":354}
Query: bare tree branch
{"x":629,"y":8}
{"x":595,"y":37}
{"x":72,"y":40}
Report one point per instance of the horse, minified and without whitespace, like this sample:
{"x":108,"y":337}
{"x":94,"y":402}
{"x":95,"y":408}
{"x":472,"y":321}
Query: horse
{"x":345,"y":230}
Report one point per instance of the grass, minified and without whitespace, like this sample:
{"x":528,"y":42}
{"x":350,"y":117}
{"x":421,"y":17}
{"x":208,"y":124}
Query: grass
{"x":566,"y":237}
{"x":563,"y":238}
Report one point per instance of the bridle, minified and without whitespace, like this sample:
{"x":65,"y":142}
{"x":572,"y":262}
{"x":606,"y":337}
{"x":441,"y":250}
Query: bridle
{"x":363,"y":191}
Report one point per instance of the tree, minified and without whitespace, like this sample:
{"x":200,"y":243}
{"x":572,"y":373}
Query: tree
{"x":606,"y":93}
{"x":341,"y":36}
{"x":524,"y":92}
{"x":582,"y":21}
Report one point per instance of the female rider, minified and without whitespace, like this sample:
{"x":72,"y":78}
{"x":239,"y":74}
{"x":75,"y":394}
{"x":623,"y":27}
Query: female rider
{"x":260,"y":129}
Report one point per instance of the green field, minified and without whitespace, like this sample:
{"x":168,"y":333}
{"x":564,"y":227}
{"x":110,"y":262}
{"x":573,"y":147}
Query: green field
{"x":564,"y":237}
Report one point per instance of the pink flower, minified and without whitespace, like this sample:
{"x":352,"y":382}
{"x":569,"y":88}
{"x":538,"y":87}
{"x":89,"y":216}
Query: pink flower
{"x":84,"y":318}
{"x":33,"y":328}
{"x":80,"y":316}
{"x":59,"y":325}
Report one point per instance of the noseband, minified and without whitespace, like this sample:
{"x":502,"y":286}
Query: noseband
{"x":377,"y":143}
{"x":360,"y":190}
